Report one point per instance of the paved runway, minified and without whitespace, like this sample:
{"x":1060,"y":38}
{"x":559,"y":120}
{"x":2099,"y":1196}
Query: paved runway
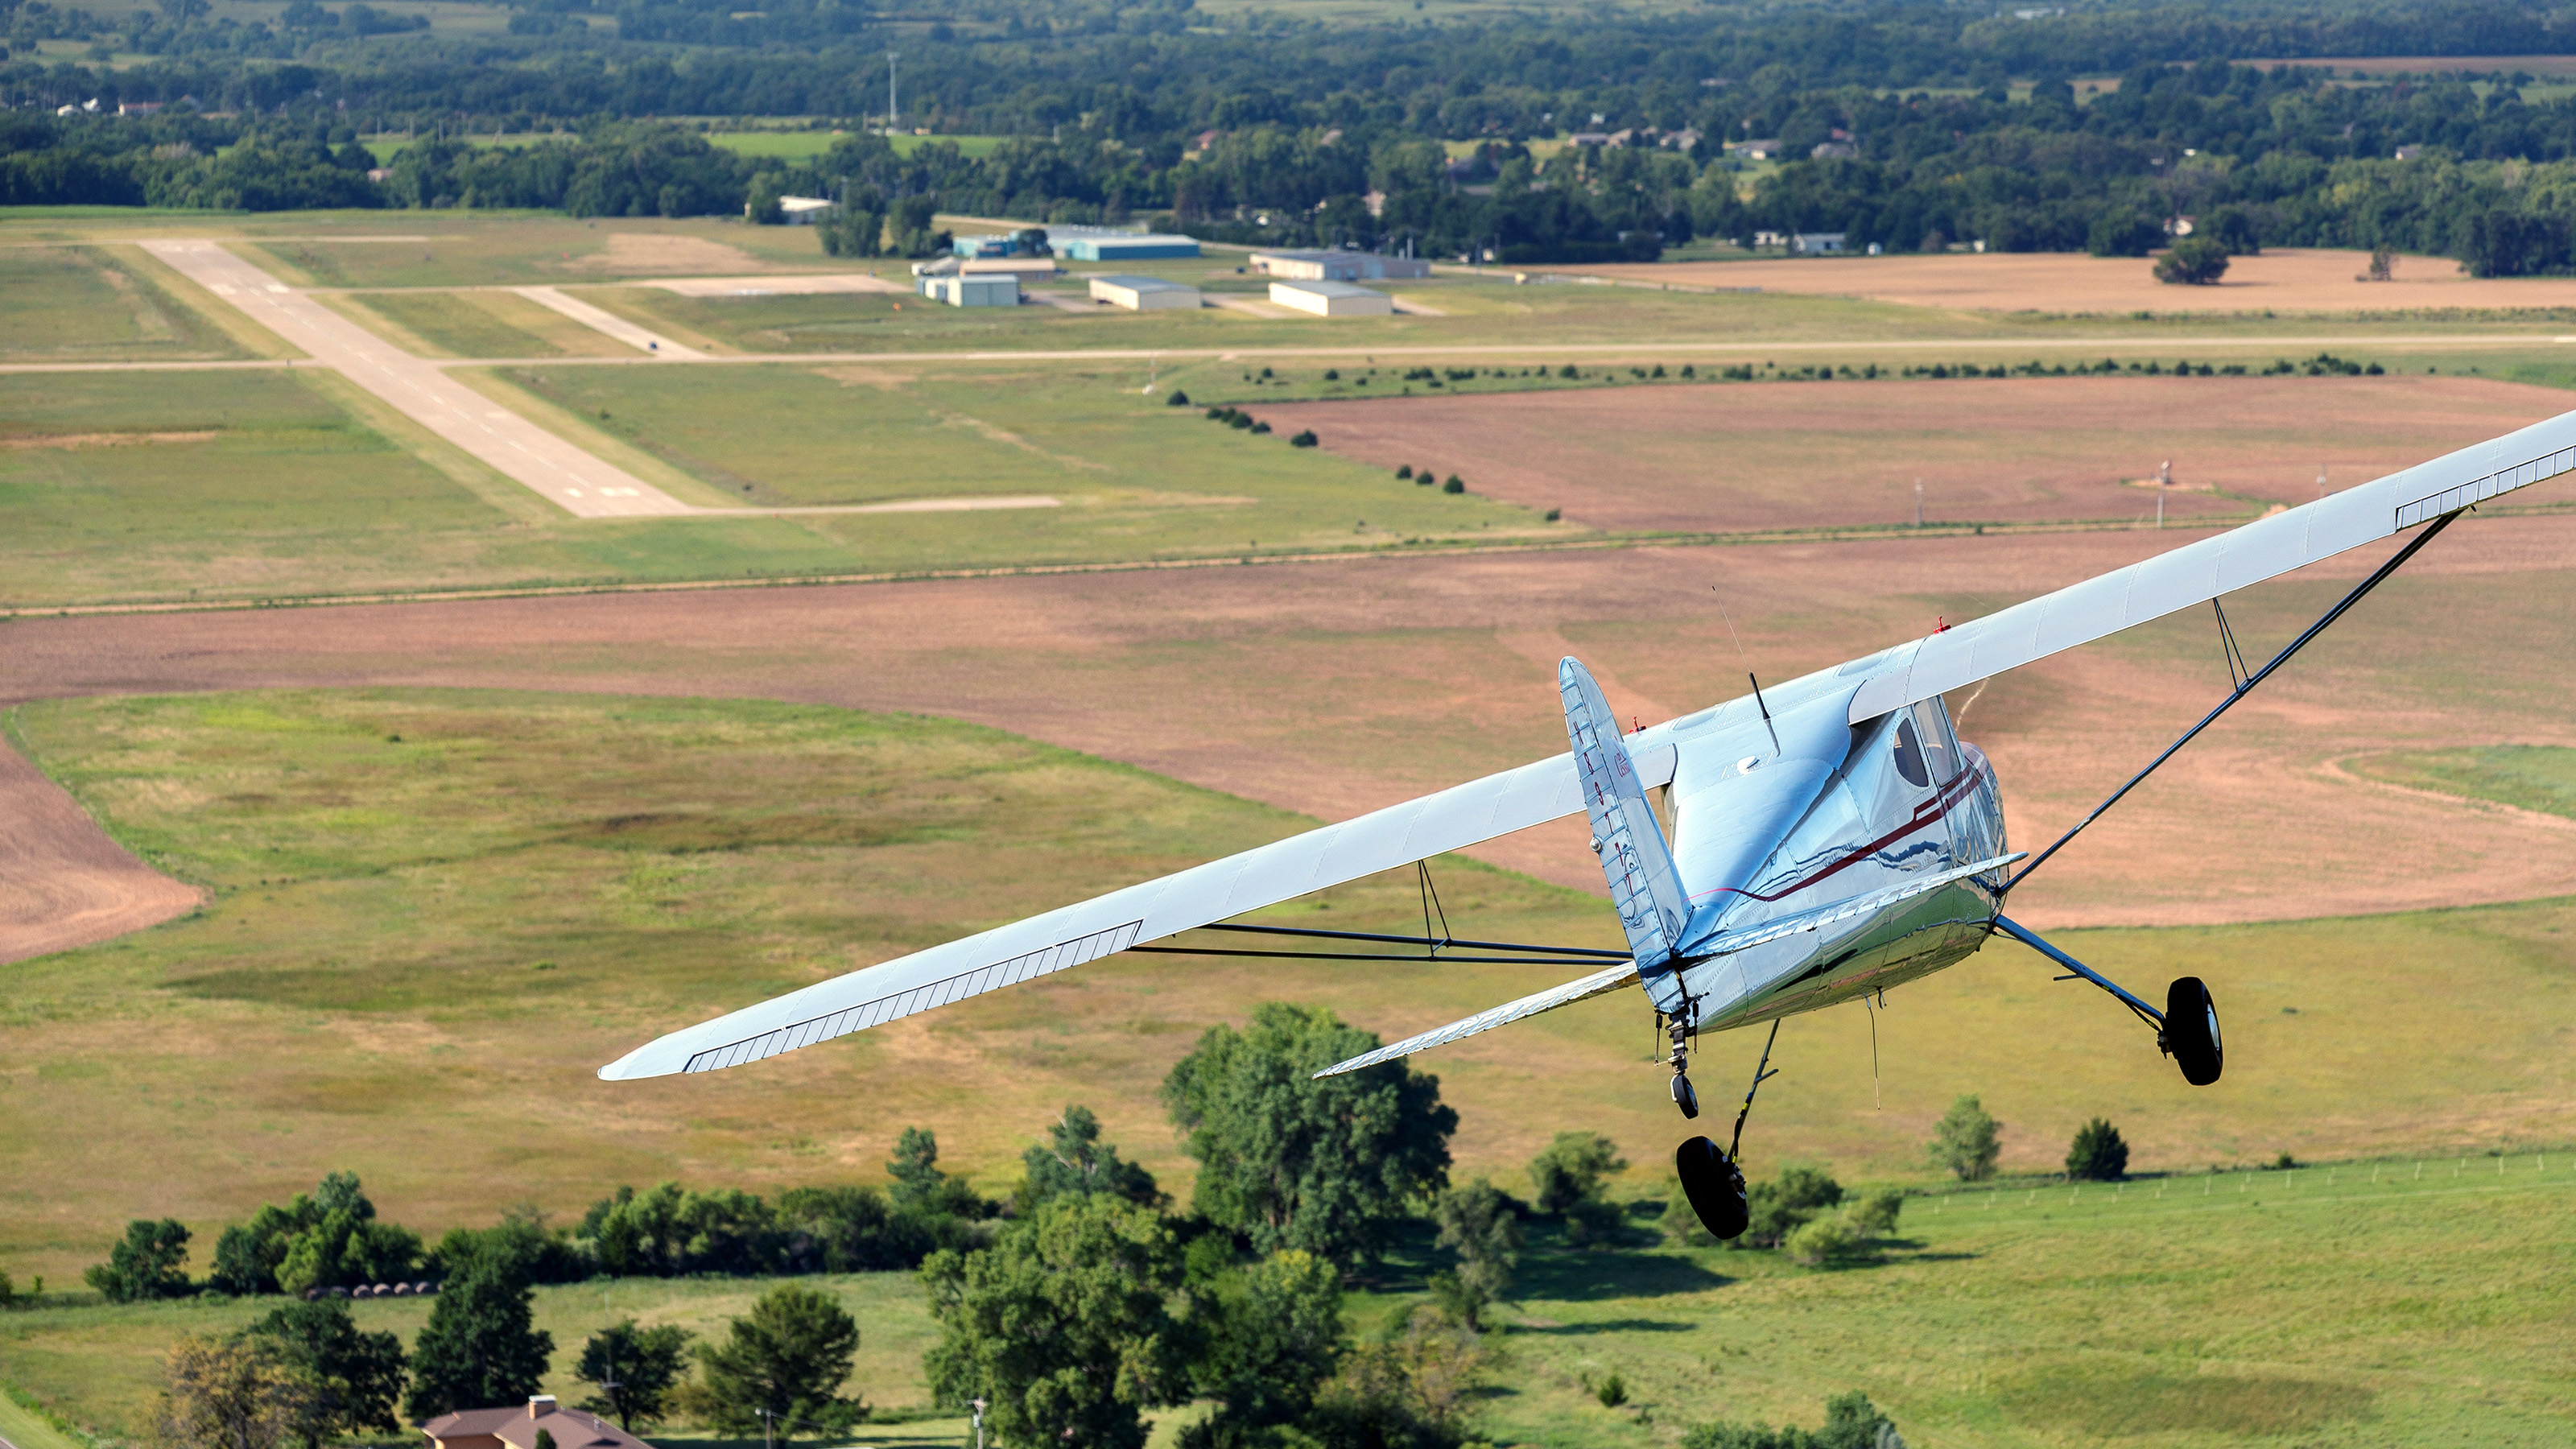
{"x":565,"y":475}
{"x":610,"y":324}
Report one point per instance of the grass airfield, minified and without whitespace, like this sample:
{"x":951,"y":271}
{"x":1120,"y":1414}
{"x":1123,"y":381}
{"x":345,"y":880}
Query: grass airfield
{"x":392,"y":974}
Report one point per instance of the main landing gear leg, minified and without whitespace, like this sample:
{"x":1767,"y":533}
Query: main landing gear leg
{"x":2186,"y":1030}
{"x":1713,"y":1180}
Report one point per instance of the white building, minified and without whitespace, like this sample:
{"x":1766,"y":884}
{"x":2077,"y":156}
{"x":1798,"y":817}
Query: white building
{"x":1338,"y":266}
{"x":1143,"y":294}
{"x":803,"y":210}
{"x":977,"y":290}
{"x":1332,"y":299}
{"x":1817,"y":244}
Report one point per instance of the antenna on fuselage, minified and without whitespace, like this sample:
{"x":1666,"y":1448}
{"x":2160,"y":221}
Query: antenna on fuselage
{"x":1748,"y":672}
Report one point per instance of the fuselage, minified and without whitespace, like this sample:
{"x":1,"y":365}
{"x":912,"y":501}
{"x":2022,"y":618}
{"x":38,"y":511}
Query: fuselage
{"x":1831,"y":813}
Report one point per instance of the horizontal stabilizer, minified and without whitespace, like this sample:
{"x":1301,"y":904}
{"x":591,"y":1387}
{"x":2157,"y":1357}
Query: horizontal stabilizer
{"x":1621,"y":975}
{"x":1583,"y":989}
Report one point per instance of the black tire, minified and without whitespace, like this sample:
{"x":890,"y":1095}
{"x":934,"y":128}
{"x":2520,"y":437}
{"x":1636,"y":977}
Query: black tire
{"x":2191,"y":1031}
{"x":1685,"y":1097}
{"x":1714,"y":1186}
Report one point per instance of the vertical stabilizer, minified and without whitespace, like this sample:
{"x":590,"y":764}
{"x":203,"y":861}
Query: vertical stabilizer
{"x":1634,"y":857}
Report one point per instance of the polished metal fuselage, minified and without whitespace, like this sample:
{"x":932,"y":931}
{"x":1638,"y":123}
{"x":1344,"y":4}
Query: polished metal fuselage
{"x":1832,"y":814}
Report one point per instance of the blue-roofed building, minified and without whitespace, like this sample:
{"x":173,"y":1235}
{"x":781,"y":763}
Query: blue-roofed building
{"x":1088,"y":245}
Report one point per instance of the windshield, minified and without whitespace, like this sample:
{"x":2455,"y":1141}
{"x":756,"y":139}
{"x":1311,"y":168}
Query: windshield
{"x":1909,"y":754}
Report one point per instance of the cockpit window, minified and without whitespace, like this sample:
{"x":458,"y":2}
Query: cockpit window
{"x":1909,"y":754}
{"x":1938,"y":746}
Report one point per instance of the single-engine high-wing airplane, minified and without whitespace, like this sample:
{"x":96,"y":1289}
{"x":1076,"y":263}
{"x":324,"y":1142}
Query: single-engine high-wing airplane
{"x":1831,"y":837}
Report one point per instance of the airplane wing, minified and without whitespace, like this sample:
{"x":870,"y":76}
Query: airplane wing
{"x":1548,"y":789}
{"x":1071,"y":935}
{"x":2199,"y":572}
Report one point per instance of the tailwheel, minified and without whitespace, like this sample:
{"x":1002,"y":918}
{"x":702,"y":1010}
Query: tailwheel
{"x":1715,"y":1187}
{"x":2191,"y":1031}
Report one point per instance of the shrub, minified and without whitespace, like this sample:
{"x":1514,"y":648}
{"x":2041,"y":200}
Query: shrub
{"x":1569,"y":370}
{"x":1967,"y":1141}
{"x":1405,"y":471}
{"x":1455,"y":484}
{"x":1260,"y":429}
{"x":1781,"y":1208}
{"x":1690,"y":370}
{"x":1612,"y":1391}
{"x":1178,"y":399}
{"x":2097,"y":1154}
{"x":1826,"y":1240}
{"x":1482,"y":1226}
{"x":1332,"y":374}
{"x":1851,"y":1422}
{"x":1554,"y":514}
{"x":1877,"y":1212}
{"x":1423,"y":477}
{"x":1304,"y":439}
{"x":2196,"y":261}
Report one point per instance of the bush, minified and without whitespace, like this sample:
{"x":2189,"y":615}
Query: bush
{"x":1455,"y":484}
{"x":1851,"y":1422}
{"x":1877,"y":1213}
{"x":1967,"y":1141}
{"x":2097,"y":1154}
{"x":1178,"y":399}
{"x":1305,"y":439}
{"x":1825,"y":1240}
{"x":2196,"y":261}
{"x":1612,"y":1391}
{"x":1781,"y":1208}
{"x":1404,"y":471}
{"x":1482,"y":1226}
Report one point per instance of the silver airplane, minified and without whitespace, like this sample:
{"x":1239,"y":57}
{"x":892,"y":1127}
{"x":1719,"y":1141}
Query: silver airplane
{"x":1830,"y":837}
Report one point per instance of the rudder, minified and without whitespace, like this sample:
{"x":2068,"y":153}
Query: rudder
{"x":1634,"y":856}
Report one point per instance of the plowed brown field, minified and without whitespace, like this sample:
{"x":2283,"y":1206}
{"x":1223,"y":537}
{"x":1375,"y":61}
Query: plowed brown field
{"x":2276,"y":281}
{"x":1341,"y":686}
{"x":1819,"y":454}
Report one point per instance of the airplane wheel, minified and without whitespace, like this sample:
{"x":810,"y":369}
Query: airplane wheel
{"x":1714,"y":1186}
{"x":2191,"y":1031}
{"x":1685,"y":1096}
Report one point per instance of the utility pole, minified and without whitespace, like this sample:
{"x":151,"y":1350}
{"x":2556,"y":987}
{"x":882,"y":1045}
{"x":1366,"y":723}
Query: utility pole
{"x":2321,"y":480}
{"x":979,"y":1422}
{"x":1918,"y":503}
{"x":2164,"y":480}
{"x":893,"y":110}
{"x":766,"y":1424}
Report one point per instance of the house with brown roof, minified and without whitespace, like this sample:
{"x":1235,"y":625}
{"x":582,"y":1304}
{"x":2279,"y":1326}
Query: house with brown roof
{"x":517,"y":1427}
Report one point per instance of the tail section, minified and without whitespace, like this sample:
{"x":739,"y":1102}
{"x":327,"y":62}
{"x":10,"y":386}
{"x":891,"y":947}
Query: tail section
{"x":1634,"y":858}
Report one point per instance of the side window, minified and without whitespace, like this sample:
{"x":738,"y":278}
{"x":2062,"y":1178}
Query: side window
{"x":1909,"y":754}
{"x":1938,"y":745}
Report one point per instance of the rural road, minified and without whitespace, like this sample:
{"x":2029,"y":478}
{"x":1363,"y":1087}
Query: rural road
{"x":563,"y":474}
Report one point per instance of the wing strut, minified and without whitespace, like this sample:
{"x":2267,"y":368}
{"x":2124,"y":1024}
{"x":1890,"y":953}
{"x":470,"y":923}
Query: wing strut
{"x":2243,"y":688}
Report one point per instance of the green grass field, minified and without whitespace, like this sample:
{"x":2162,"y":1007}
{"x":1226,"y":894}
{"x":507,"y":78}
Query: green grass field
{"x":225,"y":485}
{"x":2391,"y":1302}
{"x":85,"y":304}
{"x":2528,"y":777}
{"x":432,"y":914}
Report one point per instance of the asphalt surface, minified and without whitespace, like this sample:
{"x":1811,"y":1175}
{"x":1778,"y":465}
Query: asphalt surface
{"x":563,"y":474}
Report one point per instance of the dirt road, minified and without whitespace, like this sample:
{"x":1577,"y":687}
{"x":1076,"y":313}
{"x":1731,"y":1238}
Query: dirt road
{"x":562,"y":473}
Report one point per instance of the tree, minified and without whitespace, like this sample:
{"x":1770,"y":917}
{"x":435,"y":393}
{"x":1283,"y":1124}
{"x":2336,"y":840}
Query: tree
{"x":1478,"y":1224}
{"x":227,"y":1393}
{"x":919,"y":1185}
{"x":480,"y":1347}
{"x":1409,"y":1391}
{"x":1074,"y":1160}
{"x":2097,"y":1153}
{"x":1277,"y":1337}
{"x":635,"y":1370}
{"x":151,"y":1263}
{"x":784,"y":1364}
{"x":1062,"y":1325}
{"x":2123,"y":234}
{"x":1566,"y":1178}
{"x":2197,"y":261}
{"x":352,"y":1379}
{"x":1291,"y":1161}
{"x":1967,"y":1141}
{"x":2233,"y":228}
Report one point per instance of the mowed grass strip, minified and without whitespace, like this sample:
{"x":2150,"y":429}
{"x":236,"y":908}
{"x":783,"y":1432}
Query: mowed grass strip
{"x":2422,"y":1309}
{"x":432,"y":915}
{"x":480,"y":322}
{"x":82,"y":304}
{"x":1139,"y":478}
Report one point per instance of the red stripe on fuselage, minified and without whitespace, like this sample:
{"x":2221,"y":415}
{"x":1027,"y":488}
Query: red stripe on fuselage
{"x":1925,"y":814}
